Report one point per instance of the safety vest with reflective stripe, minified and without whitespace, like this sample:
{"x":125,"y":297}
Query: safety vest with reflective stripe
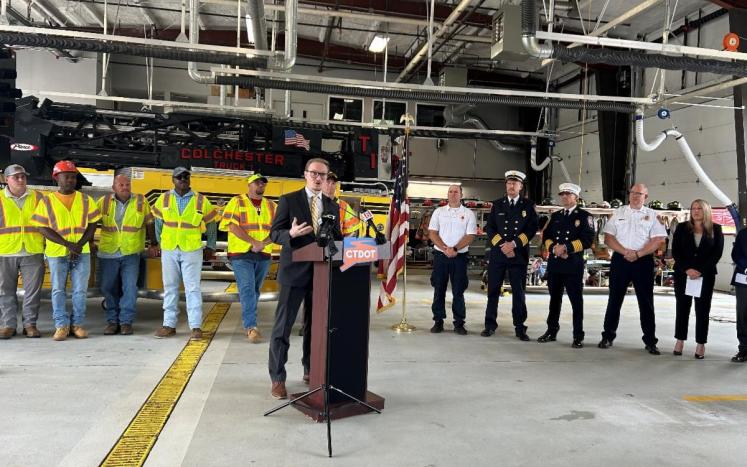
{"x":241,"y":211}
{"x":69,"y":224}
{"x":183,"y":231}
{"x":349,"y":222}
{"x":130,"y":237}
{"x":16,"y":231}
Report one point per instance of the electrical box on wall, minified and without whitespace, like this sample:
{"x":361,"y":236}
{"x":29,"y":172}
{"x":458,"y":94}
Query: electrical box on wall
{"x":506,"y":45}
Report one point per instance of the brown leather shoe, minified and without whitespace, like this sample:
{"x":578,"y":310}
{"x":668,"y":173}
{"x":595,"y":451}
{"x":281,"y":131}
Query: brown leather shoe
{"x":196,"y":334}
{"x":60,"y":334}
{"x":125,"y":329}
{"x":31,"y":331}
{"x":7,"y":333}
{"x":306,"y":378}
{"x":79,"y":332}
{"x":165,"y":331}
{"x":253,"y":335}
{"x":278,"y":390}
{"x":111,"y":329}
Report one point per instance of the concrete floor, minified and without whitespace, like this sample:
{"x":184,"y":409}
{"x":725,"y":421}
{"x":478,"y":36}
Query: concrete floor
{"x":450,"y":400}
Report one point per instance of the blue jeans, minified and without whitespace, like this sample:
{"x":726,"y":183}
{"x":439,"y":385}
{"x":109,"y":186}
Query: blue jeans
{"x":79,"y":272}
{"x":249,"y":275}
{"x":119,"y":286}
{"x":177,"y":266}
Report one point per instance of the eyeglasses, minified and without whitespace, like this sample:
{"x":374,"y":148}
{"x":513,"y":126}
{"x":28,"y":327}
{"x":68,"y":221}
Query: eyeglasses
{"x":314,"y":174}
{"x":182,"y":177}
{"x":638,"y":193}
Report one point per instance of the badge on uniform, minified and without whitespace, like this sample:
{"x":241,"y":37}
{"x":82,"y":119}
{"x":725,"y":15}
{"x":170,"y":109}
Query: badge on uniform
{"x":523,"y":214}
{"x":577,"y":223}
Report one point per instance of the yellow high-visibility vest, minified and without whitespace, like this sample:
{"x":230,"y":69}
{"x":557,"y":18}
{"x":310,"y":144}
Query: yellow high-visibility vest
{"x":130,"y":237}
{"x":240,"y":211}
{"x":16,"y":231}
{"x":349,"y":222}
{"x":183,"y":231}
{"x":70,"y":224}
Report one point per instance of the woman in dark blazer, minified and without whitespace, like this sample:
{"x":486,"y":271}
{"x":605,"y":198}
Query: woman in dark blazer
{"x":697,"y":246}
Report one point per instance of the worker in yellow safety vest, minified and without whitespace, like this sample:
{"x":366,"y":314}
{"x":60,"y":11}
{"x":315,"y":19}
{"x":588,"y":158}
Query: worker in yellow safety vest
{"x":125,"y":219}
{"x":247,"y":219}
{"x":67,"y":218}
{"x":350,"y":223}
{"x":21,"y":251}
{"x":182,"y":216}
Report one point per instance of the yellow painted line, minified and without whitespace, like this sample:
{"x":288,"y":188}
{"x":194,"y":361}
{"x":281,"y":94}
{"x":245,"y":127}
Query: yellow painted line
{"x":135,"y":444}
{"x":716,"y":398}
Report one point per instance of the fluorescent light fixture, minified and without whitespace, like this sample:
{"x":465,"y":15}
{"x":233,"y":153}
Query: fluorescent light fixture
{"x":378,"y":44}
{"x":249,"y":29}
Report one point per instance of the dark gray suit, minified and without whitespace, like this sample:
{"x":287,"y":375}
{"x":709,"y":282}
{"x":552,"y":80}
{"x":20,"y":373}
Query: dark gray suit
{"x":295,"y":279}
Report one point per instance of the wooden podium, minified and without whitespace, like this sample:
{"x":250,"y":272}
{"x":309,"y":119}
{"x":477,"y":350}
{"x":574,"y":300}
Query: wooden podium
{"x":350,"y":317}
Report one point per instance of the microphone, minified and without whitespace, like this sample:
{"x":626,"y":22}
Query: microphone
{"x":328,"y":217}
{"x":368,"y":217}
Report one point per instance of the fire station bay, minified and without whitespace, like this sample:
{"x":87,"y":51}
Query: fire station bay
{"x":373,"y":233}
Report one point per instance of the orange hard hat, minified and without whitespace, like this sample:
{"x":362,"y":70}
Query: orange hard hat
{"x":63,"y":166}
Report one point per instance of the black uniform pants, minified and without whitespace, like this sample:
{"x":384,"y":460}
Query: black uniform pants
{"x":289,"y":301}
{"x":447,"y":269}
{"x":702,"y":308}
{"x":517,"y":276}
{"x":641,"y":273}
{"x":741,"y":316}
{"x":573,"y":284}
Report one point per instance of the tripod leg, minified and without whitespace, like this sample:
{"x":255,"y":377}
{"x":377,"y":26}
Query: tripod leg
{"x":329,"y":420}
{"x":354,"y":399}
{"x":293,"y":401}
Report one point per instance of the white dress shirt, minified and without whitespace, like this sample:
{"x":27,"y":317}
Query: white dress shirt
{"x":452,"y":224}
{"x":633,"y":228}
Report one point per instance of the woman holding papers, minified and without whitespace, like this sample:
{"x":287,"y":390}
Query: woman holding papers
{"x":696,"y":248}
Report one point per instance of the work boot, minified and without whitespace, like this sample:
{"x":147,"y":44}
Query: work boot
{"x":31,"y":331}
{"x":7,"y":333}
{"x":278,"y":390}
{"x":438,"y":326}
{"x":253,"y":335}
{"x":60,"y":334}
{"x":165,"y":331}
{"x":196,"y":334}
{"x":111,"y":329}
{"x":79,"y":332}
{"x":125,"y":329}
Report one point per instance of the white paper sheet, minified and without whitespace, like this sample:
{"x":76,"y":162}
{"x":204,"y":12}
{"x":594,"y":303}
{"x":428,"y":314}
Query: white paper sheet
{"x":694,"y":287}
{"x":740,"y":279}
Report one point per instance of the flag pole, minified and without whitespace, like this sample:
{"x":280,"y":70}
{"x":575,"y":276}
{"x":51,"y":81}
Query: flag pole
{"x":403,"y":325}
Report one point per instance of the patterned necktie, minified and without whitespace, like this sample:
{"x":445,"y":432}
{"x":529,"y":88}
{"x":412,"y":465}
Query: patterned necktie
{"x":314,"y":214}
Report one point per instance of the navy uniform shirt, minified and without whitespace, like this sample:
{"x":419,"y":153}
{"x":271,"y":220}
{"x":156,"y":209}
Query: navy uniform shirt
{"x":576,"y":232}
{"x":507,"y":224}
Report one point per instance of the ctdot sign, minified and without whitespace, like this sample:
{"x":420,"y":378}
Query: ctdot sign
{"x":358,"y":250}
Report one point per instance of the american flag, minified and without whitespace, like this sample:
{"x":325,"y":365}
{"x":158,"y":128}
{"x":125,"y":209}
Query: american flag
{"x":292,"y":138}
{"x":398,"y":230}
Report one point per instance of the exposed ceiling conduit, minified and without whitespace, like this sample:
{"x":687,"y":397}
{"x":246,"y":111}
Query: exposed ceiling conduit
{"x":617,"y":57}
{"x":448,"y":22}
{"x":459,"y":116}
{"x":426,"y":96}
{"x":256,"y":11}
{"x":194,"y":38}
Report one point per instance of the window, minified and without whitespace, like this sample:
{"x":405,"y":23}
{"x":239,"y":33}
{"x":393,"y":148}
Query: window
{"x":345,"y":109}
{"x":430,"y":115}
{"x":392,"y":114}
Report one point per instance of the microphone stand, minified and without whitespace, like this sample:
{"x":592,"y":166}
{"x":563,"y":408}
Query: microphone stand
{"x":326,"y":240}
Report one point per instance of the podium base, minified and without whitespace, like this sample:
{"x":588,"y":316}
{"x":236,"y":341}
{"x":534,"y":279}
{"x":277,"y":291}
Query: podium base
{"x":337,"y":410}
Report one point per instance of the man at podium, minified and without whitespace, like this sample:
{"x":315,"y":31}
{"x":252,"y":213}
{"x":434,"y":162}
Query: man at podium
{"x":298,"y":220}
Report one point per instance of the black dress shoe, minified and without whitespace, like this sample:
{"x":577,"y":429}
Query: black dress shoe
{"x":547,"y":337}
{"x":698,"y":356}
{"x":604,"y":343}
{"x":522,"y":336}
{"x":577,"y":344}
{"x":677,"y":352}
{"x":653,"y":350}
{"x":740,"y":357}
{"x":438,"y":326}
{"x":460,"y":330}
{"x":487,"y":332}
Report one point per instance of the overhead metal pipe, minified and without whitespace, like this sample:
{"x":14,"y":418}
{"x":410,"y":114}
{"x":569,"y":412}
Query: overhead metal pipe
{"x":194,"y":38}
{"x":256,"y":11}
